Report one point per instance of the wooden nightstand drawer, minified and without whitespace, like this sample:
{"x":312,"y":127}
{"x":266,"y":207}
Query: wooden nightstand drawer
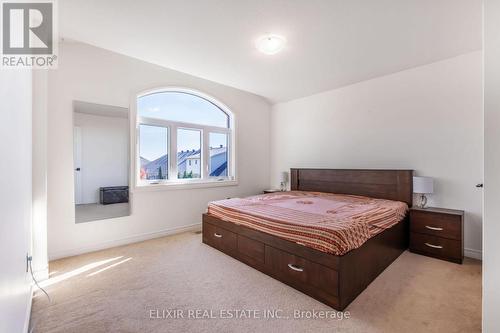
{"x":437,"y":232}
{"x":436,"y":224}
{"x":443,"y":248}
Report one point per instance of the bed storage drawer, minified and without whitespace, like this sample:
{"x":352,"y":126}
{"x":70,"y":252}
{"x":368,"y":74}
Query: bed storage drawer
{"x":295,"y":269}
{"x":251,"y":248}
{"x":333,"y":280}
{"x":219,"y":237}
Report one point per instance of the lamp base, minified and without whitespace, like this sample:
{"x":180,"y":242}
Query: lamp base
{"x":423,"y":201}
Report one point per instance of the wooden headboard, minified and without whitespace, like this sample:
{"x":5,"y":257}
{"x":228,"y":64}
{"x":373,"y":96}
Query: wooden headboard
{"x":381,"y":184}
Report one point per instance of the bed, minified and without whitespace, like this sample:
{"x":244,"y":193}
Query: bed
{"x":330,"y":237}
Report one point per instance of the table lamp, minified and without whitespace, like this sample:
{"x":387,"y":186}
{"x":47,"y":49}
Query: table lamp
{"x":423,"y":186}
{"x":283,"y":181}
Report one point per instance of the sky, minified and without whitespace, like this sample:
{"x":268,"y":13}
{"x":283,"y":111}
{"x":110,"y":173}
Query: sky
{"x":178,"y":107}
{"x":183,"y":107}
{"x":188,"y":139}
{"x":153,"y":142}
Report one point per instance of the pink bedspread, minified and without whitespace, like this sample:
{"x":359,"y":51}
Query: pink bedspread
{"x":333,"y":223}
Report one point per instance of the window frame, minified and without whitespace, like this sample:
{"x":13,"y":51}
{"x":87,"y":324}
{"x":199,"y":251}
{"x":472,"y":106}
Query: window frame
{"x":172,"y":181}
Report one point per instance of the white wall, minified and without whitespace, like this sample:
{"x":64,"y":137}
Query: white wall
{"x":94,"y":75}
{"x":105,"y":153}
{"x":491,"y":261}
{"x":39,"y":143}
{"x":428,"y":119}
{"x":15,"y":198}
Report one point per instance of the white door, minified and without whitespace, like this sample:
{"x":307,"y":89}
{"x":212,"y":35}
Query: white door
{"x":77,"y":159}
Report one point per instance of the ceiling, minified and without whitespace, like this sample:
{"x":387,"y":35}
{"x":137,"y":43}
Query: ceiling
{"x":331,"y":43}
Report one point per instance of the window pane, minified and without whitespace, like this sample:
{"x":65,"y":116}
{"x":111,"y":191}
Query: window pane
{"x":153,"y":152}
{"x":183,"y":107}
{"x":218,"y":155}
{"x":188,"y":153}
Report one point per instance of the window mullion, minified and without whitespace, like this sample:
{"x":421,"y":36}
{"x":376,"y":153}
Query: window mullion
{"x":165,"y":123}
{"x":172,"y":175}
{"x":206,"y":154}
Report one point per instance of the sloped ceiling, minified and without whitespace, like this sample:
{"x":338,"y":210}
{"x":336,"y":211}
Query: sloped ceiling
{"x":331,"y":43}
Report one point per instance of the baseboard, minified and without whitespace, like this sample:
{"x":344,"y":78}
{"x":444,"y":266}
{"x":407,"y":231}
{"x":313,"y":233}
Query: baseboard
{"x":123,"y":241}
{"x":472,"y":253}
{"x":27,"y":317}
{"x":41,"y":274}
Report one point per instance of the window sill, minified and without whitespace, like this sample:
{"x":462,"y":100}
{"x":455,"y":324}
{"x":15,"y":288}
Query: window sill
{"x":183,"y":186}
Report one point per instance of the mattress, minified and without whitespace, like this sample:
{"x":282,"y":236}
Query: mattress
{"x":332,"y":223}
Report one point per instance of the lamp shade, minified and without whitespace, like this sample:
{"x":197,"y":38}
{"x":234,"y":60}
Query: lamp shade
{"x":423,"y":185}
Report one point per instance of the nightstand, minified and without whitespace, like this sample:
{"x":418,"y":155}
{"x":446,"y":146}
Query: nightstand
{"x":438,"y":233}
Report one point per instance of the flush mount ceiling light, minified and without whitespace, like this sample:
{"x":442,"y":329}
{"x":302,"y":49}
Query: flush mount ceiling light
{"x":270,"y":44}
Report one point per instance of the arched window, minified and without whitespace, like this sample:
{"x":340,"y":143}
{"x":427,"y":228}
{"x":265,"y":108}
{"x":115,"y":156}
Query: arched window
{"x":183,"y":137}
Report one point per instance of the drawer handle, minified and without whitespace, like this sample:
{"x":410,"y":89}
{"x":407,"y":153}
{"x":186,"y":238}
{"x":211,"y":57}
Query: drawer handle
{"x":295,"y":268}
{"x":217,"y":235}
{"x":434,"y":228}
{"x":434,"y":246}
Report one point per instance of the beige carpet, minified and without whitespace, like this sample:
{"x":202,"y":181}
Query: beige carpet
{"x":114,"y":290}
